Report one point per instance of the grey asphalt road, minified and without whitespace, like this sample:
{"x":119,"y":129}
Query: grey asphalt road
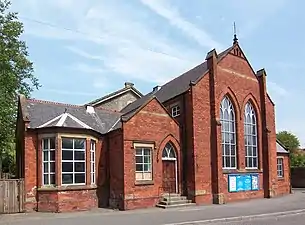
{"x":155,"y":216}
{"x":296,"y":219}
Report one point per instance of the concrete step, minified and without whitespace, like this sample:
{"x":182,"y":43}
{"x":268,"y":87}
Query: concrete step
{"x":175,"y":206}
{"x":172,"y":195}
{"x":175,"y":202}
{"x":174,"y":198}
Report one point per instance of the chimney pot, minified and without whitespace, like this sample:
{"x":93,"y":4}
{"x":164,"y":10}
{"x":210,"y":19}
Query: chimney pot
{"x":156,"y":88}
{"x":129,"y":84}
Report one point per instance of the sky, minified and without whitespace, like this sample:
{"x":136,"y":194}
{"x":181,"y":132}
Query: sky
{"x":82,"y":50}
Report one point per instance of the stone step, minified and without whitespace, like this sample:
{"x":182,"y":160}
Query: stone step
{"x":175,"y":206}
{"x":175,"y":202}
{"x":172,"y":195}
{"x":174,"y":198}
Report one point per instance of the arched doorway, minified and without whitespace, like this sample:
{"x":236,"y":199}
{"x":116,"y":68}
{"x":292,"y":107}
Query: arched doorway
{"x":170,"y":169}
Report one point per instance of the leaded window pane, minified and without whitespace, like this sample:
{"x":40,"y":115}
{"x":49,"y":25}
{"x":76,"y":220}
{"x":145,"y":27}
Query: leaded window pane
{"x":250,"y":133}
{"x":74,"y":160}
{"x":227,"y":119}
{"x":67,"y":143}
{"x":48,"y":161}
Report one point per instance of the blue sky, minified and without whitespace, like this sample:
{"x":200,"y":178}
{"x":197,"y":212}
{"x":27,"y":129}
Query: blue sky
{"x":97,"y":45}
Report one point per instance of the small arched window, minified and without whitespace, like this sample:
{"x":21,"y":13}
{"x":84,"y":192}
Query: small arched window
{"x":250,"y":129}
{"x":228,"y":133}
{"x":169,"y":152}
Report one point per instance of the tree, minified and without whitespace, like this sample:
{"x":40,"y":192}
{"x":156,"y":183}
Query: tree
{"x":288,"y":139}
{"x":16,"y":77}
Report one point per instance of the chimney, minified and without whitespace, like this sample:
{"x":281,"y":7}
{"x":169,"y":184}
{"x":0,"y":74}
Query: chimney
{"x":128,"y":84}
{"x":90,"y":109}
{"x":156,"y":88}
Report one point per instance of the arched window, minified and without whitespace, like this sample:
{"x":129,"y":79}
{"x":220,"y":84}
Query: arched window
{"x":168,"y":152}
{"x":228,"y":132}
{"x":250,"y":127}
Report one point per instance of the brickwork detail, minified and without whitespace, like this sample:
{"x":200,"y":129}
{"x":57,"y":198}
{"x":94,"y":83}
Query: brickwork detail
{"x":195,"y":135}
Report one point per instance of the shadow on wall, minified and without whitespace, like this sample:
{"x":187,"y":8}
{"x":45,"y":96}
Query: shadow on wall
{"x":103,"y":181}
{"x":298,"y":177}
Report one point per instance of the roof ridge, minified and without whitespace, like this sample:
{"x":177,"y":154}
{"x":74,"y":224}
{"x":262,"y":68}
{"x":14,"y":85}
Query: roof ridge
{"x":53,"y":103}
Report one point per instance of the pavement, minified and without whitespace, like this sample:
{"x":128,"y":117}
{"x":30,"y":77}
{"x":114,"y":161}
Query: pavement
{"x":280,"y":210}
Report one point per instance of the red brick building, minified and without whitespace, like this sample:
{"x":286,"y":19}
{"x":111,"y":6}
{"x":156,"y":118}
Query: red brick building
{"x":208,"y":136}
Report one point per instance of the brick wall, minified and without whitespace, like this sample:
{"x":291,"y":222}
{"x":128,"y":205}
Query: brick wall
{"x":232,"y":77}
{"x":30,"y":170}
{"x":59,"y":198}
{"x":284,"y":183}
{"x":201,"y":141}
{"x":116,"y":168}
{"x":151,"y":125}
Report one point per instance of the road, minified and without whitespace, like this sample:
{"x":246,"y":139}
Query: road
{"x":275,"y":207}
{"x":295,"y":219}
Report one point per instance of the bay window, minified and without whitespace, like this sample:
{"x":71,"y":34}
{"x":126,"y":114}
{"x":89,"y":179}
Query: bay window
{"x":92,"y":160}
{"x":48,"y":161}
{"x":73,"y":161}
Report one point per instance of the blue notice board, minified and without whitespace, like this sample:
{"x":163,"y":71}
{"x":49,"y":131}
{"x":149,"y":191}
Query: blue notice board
{"x":243,"y":182}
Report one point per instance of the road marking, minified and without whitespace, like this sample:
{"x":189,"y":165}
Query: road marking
{"x":239,"y":218}
{"x":190,"y":209}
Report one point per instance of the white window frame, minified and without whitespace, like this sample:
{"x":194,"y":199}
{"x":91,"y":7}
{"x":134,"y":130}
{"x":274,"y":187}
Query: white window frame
{"x":228,"y":134}
{"x":92,"y":161}
{"x":280,"y":167}
{"x":250,"y":136}
{"x":73,"y":161}
{"x":175,"y":111}
{"x":146,"y":175}
{"x":48,"y":150}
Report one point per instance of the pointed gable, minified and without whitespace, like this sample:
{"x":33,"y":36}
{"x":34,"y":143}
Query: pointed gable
{"x":236,"y":63}
{"x":119,"y":99}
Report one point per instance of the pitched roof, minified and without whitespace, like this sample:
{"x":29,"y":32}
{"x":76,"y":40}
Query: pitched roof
{"x":280,"y":148}
{"x":176,"y":86}
{"x":128,"y":87}
{"x":51,"y":114}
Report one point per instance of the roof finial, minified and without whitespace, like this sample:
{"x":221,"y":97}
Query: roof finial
{"x":235,"y":39}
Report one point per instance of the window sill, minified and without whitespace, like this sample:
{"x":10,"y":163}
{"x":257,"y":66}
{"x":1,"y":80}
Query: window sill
{"x":239,"y":171}
{"x":281,"y":178}
{"x":67,"y":188}
{"x":144,"y":182}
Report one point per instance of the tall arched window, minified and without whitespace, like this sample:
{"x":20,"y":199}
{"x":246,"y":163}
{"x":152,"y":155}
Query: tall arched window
{"x":228,"y":132}
{"x":250,"y":127}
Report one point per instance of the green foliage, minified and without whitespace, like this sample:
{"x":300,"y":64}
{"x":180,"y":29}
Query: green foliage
{"x":297,"y":159}
{"x":289,"y":140}
{"x":16,"y":77}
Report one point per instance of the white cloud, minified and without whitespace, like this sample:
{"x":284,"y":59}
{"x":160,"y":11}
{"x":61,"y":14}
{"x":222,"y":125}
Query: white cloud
{"x":65,"y":92}
{"x":169,"y":12}
{"x":83,"y":53}
{"x":117,"y":36}
{"x":82,"y":67}
{"x":276,"y":89}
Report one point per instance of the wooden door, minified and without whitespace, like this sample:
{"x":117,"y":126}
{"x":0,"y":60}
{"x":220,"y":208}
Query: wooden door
{"x":169,"y":176}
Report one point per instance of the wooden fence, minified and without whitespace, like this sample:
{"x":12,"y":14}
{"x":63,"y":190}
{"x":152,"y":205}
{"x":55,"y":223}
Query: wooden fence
{"x":11,"y":196}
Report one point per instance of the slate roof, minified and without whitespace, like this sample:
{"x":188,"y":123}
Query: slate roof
{"x":40,"y":112}
{"x":176,"y":86}
{"x":280,"y":148}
